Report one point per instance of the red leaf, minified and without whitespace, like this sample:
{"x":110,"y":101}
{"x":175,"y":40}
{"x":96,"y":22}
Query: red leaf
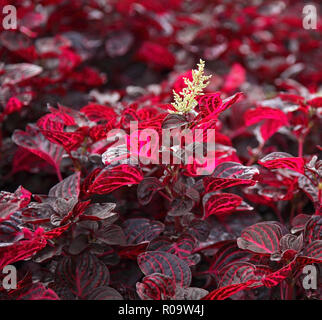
{"x":22,"y":249}
{"x":34,"y":141}
{"x":225,"y":292}
{"x":228,"y":102}
{"x":88,"y":181}
{"x":210,"y":104}
{"x":235,"y":78}
{"x":273,"y":120}
{"x":52,"y":127}
{"x":68,"y":116}
{"x":69,"y":140}
{"x":55,"y":120}
{"x":214,"y":184}
{"x":88,"y":76}
{"x":291,"y":97}
{"x":268,"y":280}
{"x":153,"y":123}
{"x":156,"y":54}
{"x":253,"y":116}
{"x":316,"y":102}
{"x":100,"y":131}
{"x":11,"y":202}
{"x":268,"y":128}
{"x":56,"y":232}
{"x":98,"y":113}
{"x":13,"y":105}
{"x":24,"y":160}
{"x":275,"y":278}
{"x":77,"y":211}
{"x":109,"y":180}
{"x":221,"y":204}
{"x":179,"y":83}
{"x":282,"y":160}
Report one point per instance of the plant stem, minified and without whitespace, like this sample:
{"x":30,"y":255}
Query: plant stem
{"x":290,"y":291}
{"x":300,"y":150}
{"x":281,"y":291}
{"x":165,"y":196}
{"x":60,"y":178}
{"x":177,"y":224}
{"x":279,"y":215}
{"x":256,"y":155}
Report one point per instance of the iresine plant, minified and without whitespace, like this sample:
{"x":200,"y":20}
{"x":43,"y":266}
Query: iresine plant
{"x":85,"y":218}
{"x":179,"y":240}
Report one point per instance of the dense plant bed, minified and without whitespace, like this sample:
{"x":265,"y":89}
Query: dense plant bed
{"x":93,"y":209}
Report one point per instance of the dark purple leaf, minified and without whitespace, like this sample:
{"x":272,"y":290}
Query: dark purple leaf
{"x":37,"y":291}
{"x":156,"y":286}
{"x":100,"y":211}
{"x":238,"y":272}
{"x":191,"y":293}
{"x":165,"y":263}
{"x":180,"y":207}
{"x":147,"y":188}
{"x":110,"y":234}
{"x":314,"y":250}
{"x":234,"y":170}
{"x":261,"y":237}
{"x":68,"y":188}
{"x":313,"y":229}
{"x":140,"y":229}
{"x":174,"y":121}
{"x":228,"y":254}
{"x":104,"y":293}
{"x":82,"y":274}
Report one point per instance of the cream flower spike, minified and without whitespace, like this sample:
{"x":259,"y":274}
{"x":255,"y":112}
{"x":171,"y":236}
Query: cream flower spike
{"x":185,"y":101}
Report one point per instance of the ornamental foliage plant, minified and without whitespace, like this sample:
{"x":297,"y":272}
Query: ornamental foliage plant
{"x":85,"y":214}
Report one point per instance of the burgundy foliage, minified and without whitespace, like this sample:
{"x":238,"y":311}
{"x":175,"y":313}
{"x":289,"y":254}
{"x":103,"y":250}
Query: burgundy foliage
{"x":81,"y":219}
